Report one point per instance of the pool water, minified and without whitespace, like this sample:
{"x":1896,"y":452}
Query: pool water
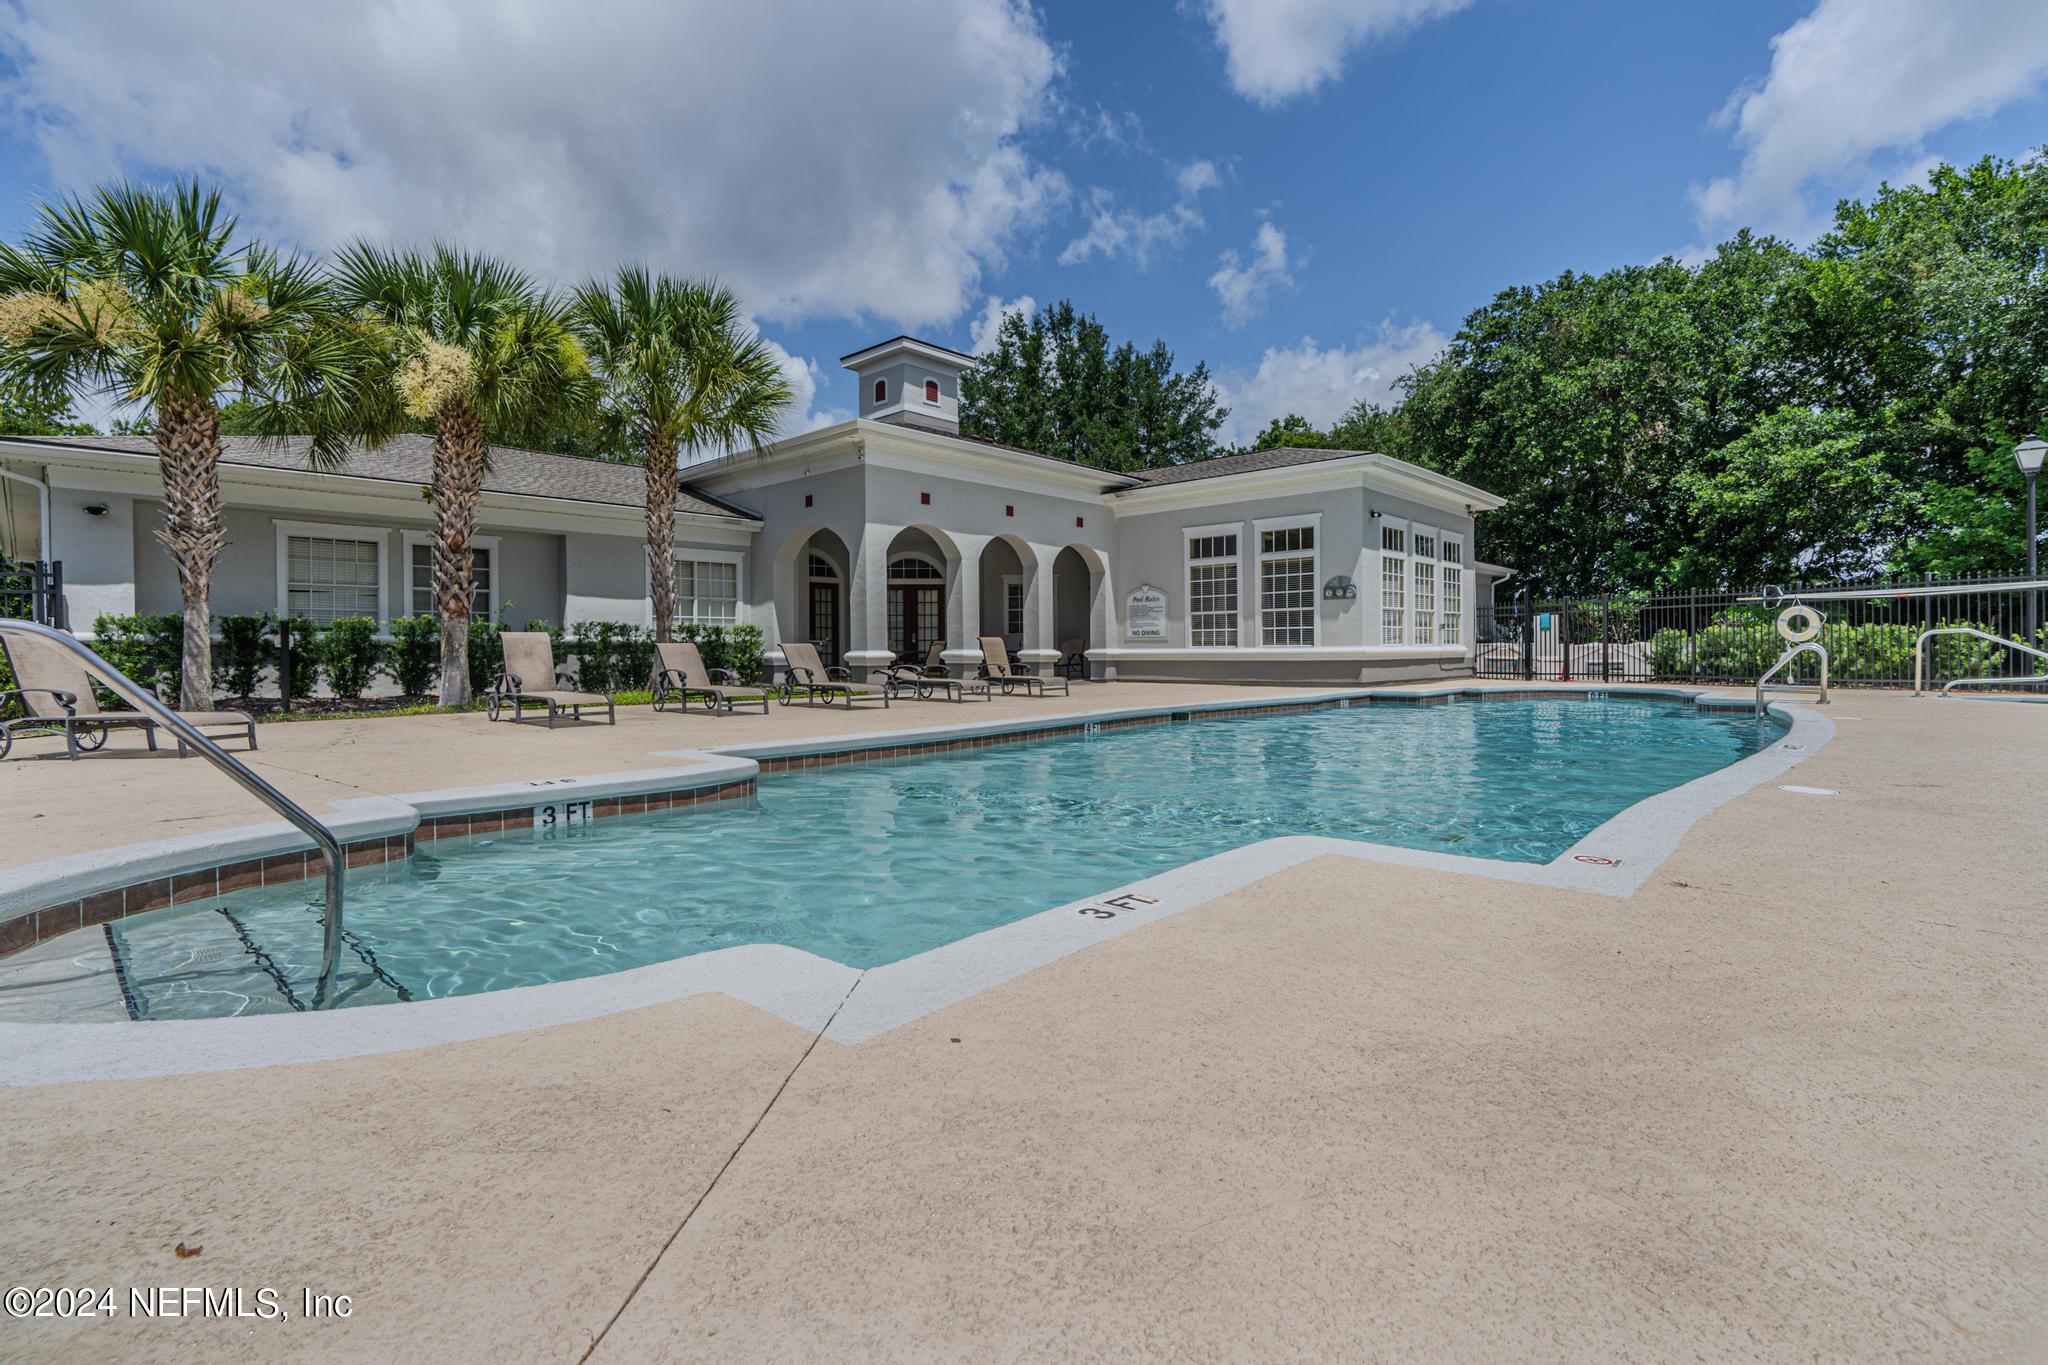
{"x":870,"y":863}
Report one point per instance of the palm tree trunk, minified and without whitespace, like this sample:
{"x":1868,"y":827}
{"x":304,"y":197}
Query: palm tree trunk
{"x":660,"y":463}
{"x":458,"y":483}
{"x":188,"y":449}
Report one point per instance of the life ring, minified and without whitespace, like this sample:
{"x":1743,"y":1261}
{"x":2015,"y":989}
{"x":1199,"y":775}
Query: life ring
{"x":1799,"y":624}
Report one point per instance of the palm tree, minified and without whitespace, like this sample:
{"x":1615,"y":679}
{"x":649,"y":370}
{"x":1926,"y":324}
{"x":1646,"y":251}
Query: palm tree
{"x":676,"y":369}
{"x":482,"y":353}
{"x":147,"y":297}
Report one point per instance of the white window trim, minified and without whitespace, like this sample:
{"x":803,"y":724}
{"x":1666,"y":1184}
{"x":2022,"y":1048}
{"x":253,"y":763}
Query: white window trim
{"x":412,"y":538}
{"x":334,"y":531}
{"x":1403,"y":558}
{"x":1188,"y":536}
{"x":921,"y":557}
{"x":736,"y":558}
{"x":1314,"y":521}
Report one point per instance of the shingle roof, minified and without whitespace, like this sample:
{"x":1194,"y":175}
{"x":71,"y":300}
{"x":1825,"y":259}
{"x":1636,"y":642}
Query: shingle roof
{"x":410,"y":459}
{"x":1245,"y":462}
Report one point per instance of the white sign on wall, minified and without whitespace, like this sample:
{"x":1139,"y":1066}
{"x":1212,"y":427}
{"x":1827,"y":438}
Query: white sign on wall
{"x":1145,"y":614}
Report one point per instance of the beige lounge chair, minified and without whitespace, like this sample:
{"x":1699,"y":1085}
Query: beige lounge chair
{"x":680,"y":674}
{"x":995,"y":666}
{"x":56,"y":691}
{"x":528,"y":678}
{"x":807,"y":675}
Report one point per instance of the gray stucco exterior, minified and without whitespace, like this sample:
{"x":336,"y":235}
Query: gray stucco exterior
{"x":873,"y":538}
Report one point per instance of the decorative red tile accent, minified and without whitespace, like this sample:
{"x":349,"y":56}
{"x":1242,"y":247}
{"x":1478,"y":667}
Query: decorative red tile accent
{"x":807,"y":499}
{"x":925,"y":498}
{"x":192,"y":886}
{"x":16,"y":934}
{"x":58,"y":919}
{"x":238,"y":876}
{"x":107,"y":905}
{"x":1009,"y":510}
{"x":285,"y":867}
{"x":149,"y":896}
{"x":1077,"y":523}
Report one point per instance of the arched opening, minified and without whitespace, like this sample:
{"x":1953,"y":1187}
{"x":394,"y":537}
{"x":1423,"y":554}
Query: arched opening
{"x":916,"y":587}
{"x":824,"y":566}
{"x":931,"y":390}
{"x":881,"y":390}
{"x":1006,"y":565}
{"x":1080,"y":604}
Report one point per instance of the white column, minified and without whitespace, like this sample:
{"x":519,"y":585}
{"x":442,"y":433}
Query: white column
{"x":867,"y":601}
{"x":963,"y":607}
{"x":1040,"y":649}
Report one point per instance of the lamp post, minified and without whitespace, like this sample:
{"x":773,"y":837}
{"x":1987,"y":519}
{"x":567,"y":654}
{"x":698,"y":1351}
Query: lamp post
{"x":2027,"y":455}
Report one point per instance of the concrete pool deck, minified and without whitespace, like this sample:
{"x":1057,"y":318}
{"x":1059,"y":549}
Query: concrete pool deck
{"x":1784,"y":1100}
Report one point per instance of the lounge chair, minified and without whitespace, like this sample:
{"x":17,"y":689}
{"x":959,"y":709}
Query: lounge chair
{"x":680,"y":674}
{"x":935,"y":661}
{"x":807,"y":675}
{"x":528,"y":678}
{"x":922,"y":683}
{"x":995,"y":667}
{"x":56,"y":691}
{"x":1073,"y":659}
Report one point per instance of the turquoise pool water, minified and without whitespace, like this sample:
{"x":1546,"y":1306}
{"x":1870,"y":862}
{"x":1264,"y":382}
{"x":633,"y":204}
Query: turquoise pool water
{"x":870,"y":863}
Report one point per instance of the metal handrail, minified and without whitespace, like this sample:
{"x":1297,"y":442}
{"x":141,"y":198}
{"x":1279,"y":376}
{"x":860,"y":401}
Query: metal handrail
{"x":1810,"y":647}
{"x":1920,"y":660}
{"x":146,"y":702}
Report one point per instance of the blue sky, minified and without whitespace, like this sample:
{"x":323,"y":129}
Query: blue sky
{"x":1308,"y":194}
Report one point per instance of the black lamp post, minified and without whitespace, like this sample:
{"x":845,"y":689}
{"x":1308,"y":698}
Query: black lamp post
{"x":2028,"y":455}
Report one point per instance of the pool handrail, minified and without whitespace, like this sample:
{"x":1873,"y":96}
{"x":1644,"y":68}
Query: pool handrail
{"x":1807,"y":647}
{"x":1920,"y":660}
{"x":145,"y":701}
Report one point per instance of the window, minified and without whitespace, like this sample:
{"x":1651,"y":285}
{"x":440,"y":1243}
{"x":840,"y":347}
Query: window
{"x":881,"y":390}
{"x":915,"y":568}
{"x":483,"y":598}
{"x":1393,"y":584}
{"x":1287,"y":584}
{"x":820,"y":567}
{"x":1212,"y":589}
{"x":1451,"y":620}
{"x":707,"y":591}
{"x":1424,"y":612}
{"x":1013,"y":605}
{"x":330,"y":578}
{"x":931,"y":390}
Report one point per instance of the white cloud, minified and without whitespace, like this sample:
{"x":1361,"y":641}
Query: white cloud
{"x":1197,"y":176}
{"x":808,"y":155}
{"x":1114,"y":231}
{"x":1243,"y":285}
{"x":1275,"y":50}
{"x":1322,"y":384}
{"x":1860,"y":81}
{"x":983,"y":329}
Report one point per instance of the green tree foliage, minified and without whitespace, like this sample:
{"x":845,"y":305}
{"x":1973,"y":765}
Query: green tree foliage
{"x":1766,"y":414}
{"x":31,"y":409}
{"x":1054,"y":385}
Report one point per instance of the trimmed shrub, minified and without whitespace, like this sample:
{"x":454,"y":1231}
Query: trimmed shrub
{"x":305,"y":655}
{"x":610,"y":655}
{"x":243,"y":653}
{"x":149,"y":649}
{"x":737,"y":647}
{"x":351,"y":655}
{"x":414,"y":656}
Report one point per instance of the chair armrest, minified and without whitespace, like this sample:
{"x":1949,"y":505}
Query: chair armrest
{"x":67,"y":700}
{"x":724,"y":677}
{"x":839,"y":673}
{"x":508,"y":682}
{"x":565,"y":680}
{"x":799,"y":675}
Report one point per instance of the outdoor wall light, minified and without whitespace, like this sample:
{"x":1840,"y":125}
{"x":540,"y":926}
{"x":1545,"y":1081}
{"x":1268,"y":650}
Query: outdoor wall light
{"x":1340,"y":588}
{"x":95,"y":509}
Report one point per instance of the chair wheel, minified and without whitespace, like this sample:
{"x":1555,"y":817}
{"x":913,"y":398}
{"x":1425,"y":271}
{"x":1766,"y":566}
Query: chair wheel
{"x":492,"y":707}
{"x":6,"y":742}
{"x":92,"y":740}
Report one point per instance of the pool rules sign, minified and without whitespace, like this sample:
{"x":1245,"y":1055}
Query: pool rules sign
{"x":1145,"y":614}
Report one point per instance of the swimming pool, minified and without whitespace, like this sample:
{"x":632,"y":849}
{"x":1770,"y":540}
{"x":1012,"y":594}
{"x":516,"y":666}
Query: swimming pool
{"x":872,"y":863}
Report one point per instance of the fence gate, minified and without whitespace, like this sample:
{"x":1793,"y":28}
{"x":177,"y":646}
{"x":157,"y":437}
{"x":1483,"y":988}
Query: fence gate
{"x":1731,"y":636}
{"x":33,"y":590}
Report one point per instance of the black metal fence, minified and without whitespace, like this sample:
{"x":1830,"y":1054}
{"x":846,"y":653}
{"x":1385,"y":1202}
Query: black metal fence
{"x":33,"y":591}
{"x":1869,"y":630}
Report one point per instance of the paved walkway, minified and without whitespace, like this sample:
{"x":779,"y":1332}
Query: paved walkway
{"x":1787,"y":1101}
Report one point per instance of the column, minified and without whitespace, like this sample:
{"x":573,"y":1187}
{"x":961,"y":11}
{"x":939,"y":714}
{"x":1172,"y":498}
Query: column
{"x":867,"y":602}
{"x":963,"y":608}
{"x":1040,"y":649}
